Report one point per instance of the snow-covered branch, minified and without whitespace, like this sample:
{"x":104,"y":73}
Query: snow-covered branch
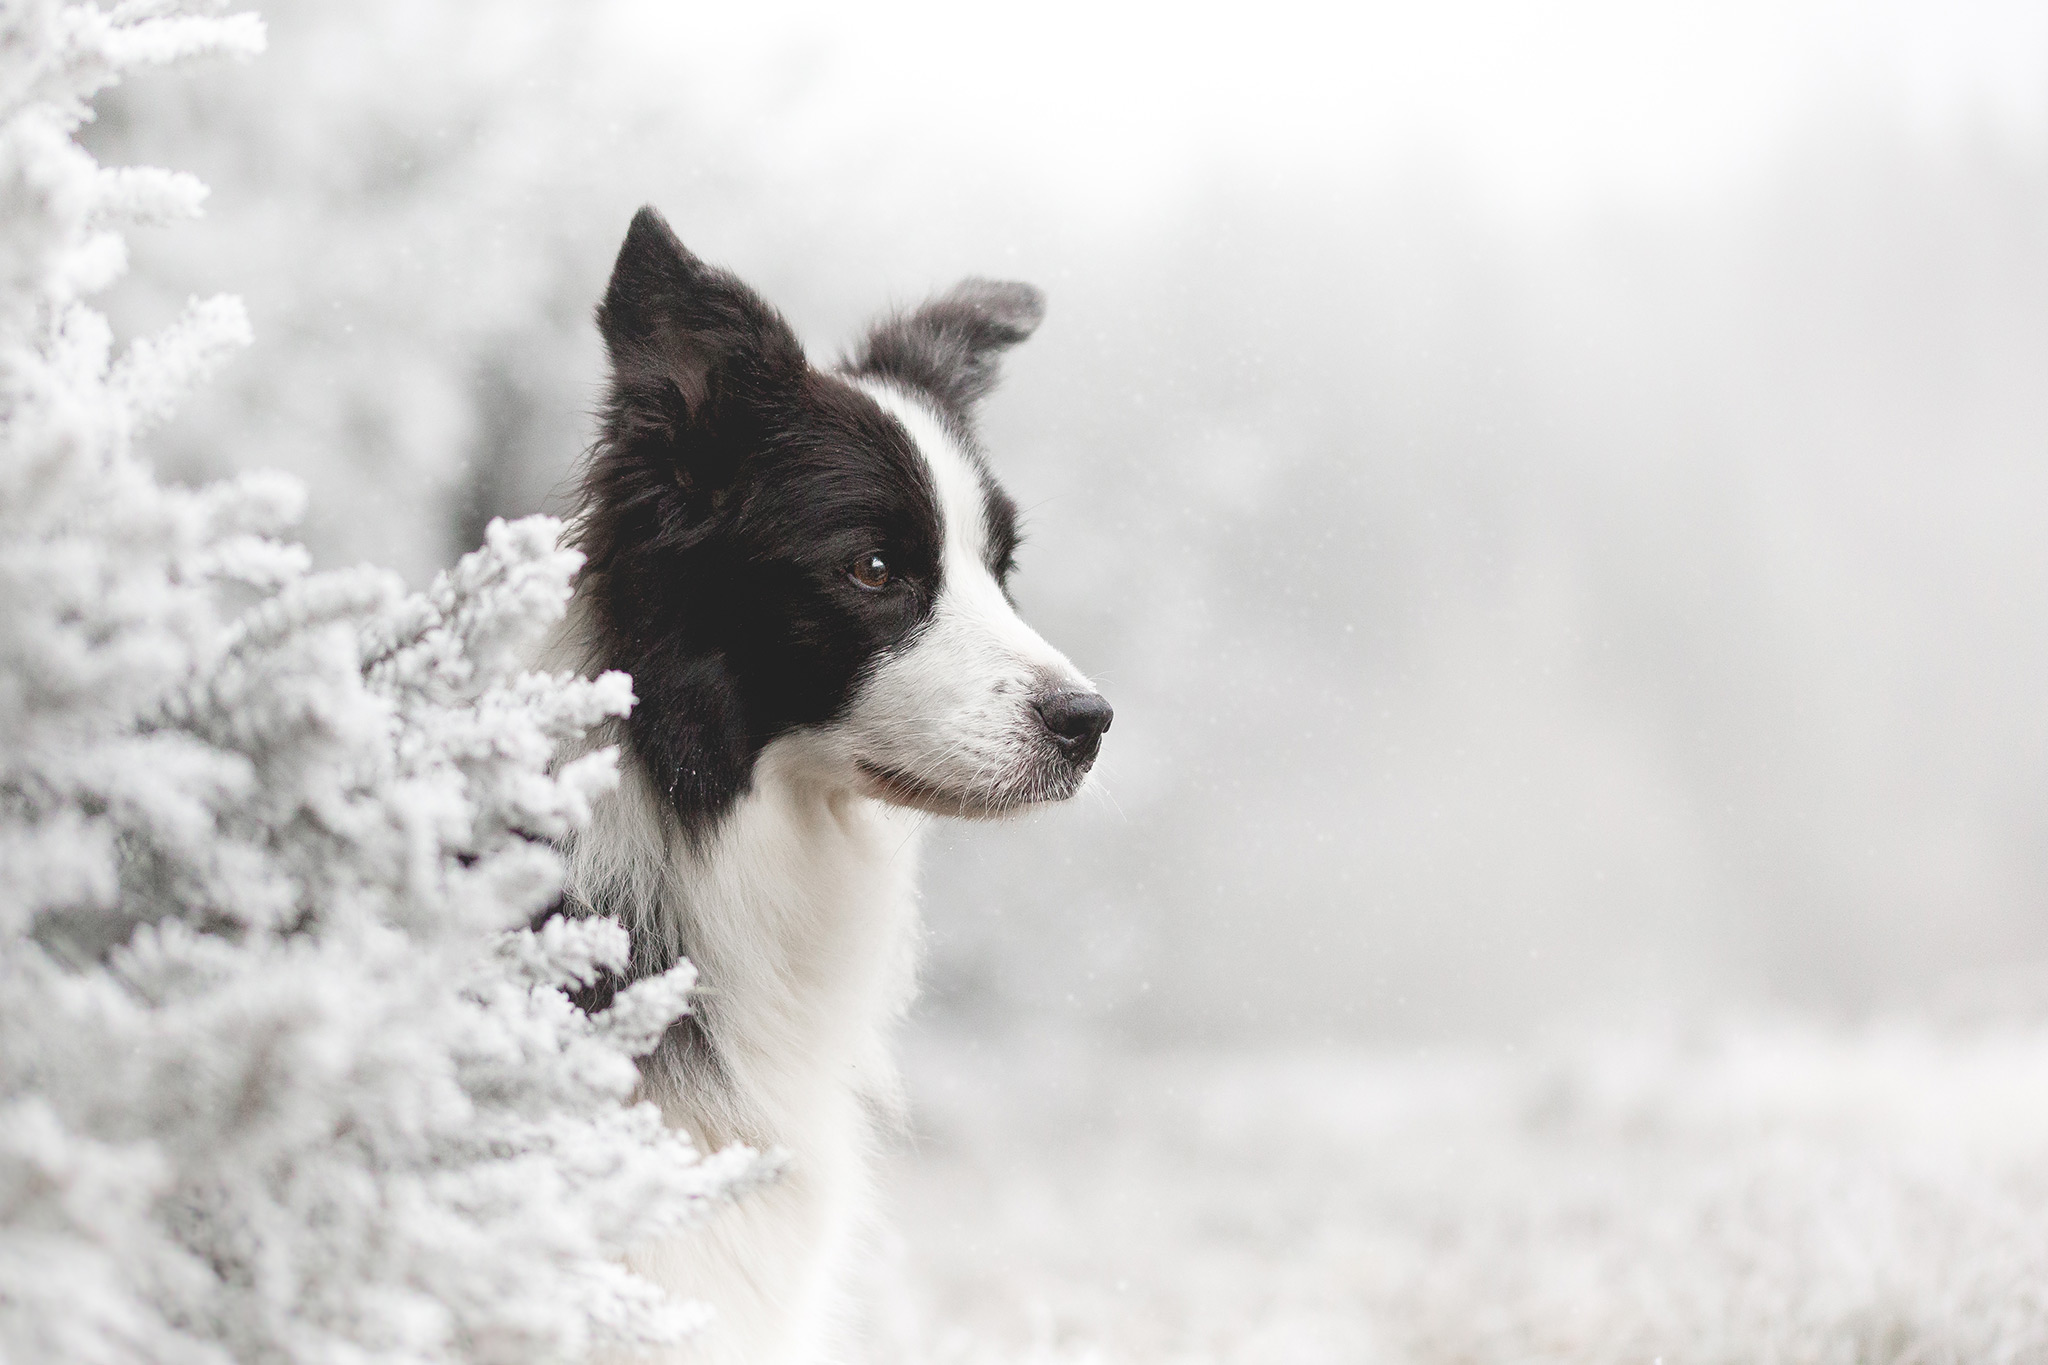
{"x":283,"y":1074}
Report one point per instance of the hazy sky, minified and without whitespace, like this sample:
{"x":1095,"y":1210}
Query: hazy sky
{"x":1545,"y":108}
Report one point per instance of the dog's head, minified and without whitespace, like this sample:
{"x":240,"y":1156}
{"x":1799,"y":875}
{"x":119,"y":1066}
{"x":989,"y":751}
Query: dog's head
{"x":778,"y":551}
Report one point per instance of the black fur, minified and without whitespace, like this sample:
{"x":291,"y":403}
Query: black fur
{"x":731,"y":487}
{"x":948,"y":348}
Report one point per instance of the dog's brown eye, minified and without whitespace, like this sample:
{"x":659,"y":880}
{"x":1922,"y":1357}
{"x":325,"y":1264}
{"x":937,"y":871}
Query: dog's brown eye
{"x":870,"y":571}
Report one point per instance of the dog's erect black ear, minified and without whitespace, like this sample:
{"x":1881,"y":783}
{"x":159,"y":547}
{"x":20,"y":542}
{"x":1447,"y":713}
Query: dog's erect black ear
{"x":949,"y":347}
{"x":681,"y":333}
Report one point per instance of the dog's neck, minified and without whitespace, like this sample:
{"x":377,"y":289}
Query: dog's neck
{"x":798,"y":909}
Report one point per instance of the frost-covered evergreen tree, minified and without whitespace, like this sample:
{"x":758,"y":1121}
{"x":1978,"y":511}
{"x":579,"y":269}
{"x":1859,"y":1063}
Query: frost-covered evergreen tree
{"x":283,"y":1074}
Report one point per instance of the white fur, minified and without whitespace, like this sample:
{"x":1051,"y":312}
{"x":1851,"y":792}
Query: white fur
{"x":954,"y":709}
{"x":800,"y":914}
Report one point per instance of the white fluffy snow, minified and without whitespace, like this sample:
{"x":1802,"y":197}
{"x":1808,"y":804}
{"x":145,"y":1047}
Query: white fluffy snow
{"x":1750,"y":1194}
{"x":284,"y":1074}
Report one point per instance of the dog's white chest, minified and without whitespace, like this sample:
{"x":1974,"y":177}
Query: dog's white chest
{"x":801,"y":916}
{"x":800,"y":913}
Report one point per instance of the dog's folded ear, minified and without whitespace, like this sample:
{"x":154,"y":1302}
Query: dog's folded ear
{"x":950,"y":345}
{"x":683,"y":335}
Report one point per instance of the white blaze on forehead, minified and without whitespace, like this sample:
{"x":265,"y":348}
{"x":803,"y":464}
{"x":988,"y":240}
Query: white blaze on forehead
{"x":971,"y":602}
{"x":962,"y":494}
{"x":953,"y":711}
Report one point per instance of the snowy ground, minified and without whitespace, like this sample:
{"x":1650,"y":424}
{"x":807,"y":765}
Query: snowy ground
{"x":1754,"y":1195}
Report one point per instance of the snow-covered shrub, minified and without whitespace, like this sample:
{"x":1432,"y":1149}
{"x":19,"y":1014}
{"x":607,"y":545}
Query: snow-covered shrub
{"x":284,"y":1076}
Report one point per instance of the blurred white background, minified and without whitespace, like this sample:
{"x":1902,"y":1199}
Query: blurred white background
{"x":1555,"y":492}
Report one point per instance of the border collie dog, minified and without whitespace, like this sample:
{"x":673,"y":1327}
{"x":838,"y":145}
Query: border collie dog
{"x":806,"y":573}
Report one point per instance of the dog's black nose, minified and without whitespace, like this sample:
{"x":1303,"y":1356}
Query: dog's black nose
{"x":1076,"y":721}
